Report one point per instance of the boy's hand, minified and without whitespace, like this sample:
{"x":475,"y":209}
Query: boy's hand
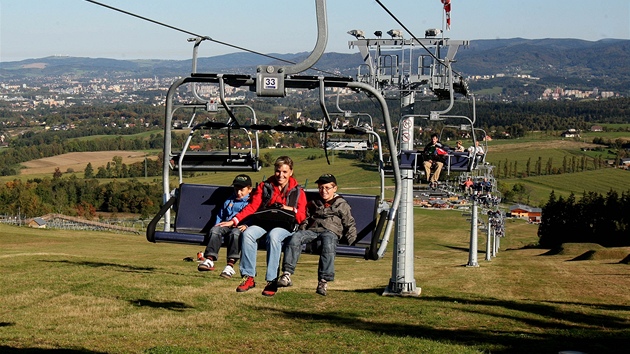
{"x":226,"y":223}
{"x":242,"y":227}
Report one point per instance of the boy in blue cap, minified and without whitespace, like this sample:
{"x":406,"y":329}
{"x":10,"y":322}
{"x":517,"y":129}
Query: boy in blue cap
{"x":235,"y":203}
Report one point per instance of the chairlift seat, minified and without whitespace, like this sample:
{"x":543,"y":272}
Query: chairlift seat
{"x":459,"y":161}
{"x":368,"y":223}
{"x":216,"y":161}
{"x":196,"y":207}
{"x":455,"y":161}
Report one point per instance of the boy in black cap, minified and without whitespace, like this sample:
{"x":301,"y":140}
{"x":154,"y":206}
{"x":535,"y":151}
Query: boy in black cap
{"x":236,"y":202}
{"x":328,"y":219}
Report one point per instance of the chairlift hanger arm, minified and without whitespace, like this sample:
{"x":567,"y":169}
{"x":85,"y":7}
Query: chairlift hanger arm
{"x":393,"y":151}
{"x":232,"y":122}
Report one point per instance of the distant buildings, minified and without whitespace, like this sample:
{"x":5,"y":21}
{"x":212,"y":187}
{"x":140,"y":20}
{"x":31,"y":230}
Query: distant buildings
{"x":560,"y":93}
{"x":570,"y":133}
{"x":522,"y":211}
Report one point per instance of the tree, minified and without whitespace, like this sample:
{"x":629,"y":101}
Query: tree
{"x":89,"y":171}
{"x":528,"y":166}
{"x":506,"y":169}
{"x":57,"y":173}
{"x":564,"y":164}
{"x":549,"y":167}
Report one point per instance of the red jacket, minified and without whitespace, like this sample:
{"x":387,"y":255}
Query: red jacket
{"x":256,"y":199}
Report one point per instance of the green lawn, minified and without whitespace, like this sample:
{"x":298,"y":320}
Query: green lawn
{"x":598,"y":181}
{"x":96,"y":292}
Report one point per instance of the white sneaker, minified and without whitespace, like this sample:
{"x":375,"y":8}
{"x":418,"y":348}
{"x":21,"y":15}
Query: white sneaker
{"x":228,"y":272}
{"x":206,"y":265}
{"x":285,"y":280}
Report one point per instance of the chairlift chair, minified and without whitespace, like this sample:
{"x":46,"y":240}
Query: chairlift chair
{"x":194,"y":204}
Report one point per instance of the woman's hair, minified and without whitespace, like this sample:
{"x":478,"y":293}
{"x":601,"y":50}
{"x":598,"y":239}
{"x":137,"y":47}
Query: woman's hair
{"x":283,"y":160}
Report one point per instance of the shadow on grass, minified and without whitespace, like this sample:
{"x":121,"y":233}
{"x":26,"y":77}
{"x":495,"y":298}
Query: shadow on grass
{"x":376,"y":291}
{"x":7,"y":324}
{"x":551,"y":317}
{"x":548,"y":328}
{"x":595,"y":306}
{"x":5,"y":349}
{"x":167,"y":305}
{"x":127,"y":268}
{"x":463,"y":249}
{"x":109,"y":265}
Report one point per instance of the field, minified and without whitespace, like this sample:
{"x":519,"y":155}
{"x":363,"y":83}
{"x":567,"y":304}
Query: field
{"x":77,"y":161}
{"x":352,"y":175}
{"x":95,"y":292}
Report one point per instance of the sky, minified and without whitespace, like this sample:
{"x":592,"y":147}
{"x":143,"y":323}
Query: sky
{"x":78,"y":28}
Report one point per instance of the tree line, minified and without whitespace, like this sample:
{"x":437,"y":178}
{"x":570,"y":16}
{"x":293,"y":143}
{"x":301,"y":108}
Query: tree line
{"x":117,"y":169}
{"x":11,"y":157}
{"x":594,"y":219}
{"x":540,"y":167}
{"x":78,"y":197}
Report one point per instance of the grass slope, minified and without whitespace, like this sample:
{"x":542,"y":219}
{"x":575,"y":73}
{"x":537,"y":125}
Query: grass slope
{"x":108,"y":293}
{"x":598,"y":181}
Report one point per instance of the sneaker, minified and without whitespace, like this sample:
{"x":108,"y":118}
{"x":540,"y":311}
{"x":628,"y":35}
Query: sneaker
{"x":206,"y":265}
{"x":247,"y":283}
{"x":285,"y":280}
{"x":322,"y":287}
{"x":228,"y":272}
{"x":271,"y":288}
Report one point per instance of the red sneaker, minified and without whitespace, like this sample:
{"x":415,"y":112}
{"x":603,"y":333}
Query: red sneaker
{"x":270,"y":289}
{"x":247,"y":283}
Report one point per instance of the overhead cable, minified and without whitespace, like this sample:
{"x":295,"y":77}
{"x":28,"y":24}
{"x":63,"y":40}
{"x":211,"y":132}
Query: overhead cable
{"x":200,"y":36}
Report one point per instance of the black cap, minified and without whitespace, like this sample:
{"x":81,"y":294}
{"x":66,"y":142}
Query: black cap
{"x":326,"y":178}
{"x":242,"y":181}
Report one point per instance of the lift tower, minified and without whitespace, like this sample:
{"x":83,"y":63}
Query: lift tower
{"x":398,"y":73}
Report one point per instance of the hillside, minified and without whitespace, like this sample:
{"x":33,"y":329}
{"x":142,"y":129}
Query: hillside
{"x":146,"y":299}
{"x":563,"y":62}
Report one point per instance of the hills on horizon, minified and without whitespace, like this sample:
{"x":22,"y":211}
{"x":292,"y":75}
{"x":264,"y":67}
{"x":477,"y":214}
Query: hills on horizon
{"x":575,"y":61}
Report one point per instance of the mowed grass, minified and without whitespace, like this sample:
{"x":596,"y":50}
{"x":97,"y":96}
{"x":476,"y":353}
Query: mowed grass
{"x":523,"y":150}
{"x":115,"y":293}
{"x":598,"y":181}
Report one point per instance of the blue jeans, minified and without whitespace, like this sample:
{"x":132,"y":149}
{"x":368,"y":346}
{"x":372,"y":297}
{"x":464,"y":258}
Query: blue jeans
{"x":326,"y":268}
{"x":249,"y":250}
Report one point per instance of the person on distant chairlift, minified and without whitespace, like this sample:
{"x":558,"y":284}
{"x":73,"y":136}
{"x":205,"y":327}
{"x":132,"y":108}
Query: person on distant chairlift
{"x":459,"y":147}
{"x":468,"y":186}
{"x":434,"y":158}
{"x":477,"y":150}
